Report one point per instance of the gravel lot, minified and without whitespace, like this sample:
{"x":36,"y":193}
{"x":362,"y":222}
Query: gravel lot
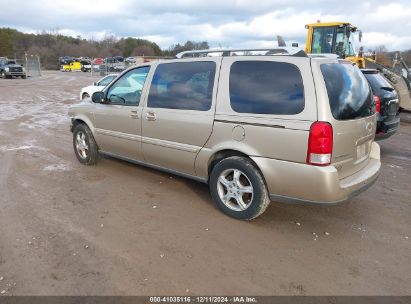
{"x":122,"y":229}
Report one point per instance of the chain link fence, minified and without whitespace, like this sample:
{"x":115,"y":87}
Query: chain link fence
{"x":32,"y":65}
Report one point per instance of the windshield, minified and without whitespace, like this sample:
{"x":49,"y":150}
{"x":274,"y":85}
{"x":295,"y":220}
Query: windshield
{"x":335,"y":40}
{"x":344,"y":45}
{"x":348,"y":91}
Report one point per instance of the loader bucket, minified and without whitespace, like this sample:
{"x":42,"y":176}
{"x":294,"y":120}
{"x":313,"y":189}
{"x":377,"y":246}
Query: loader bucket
{"x":402,"y":87}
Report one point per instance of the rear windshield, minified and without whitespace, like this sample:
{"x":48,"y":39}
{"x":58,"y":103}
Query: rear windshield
{"x":348,"y":91}
{"x":377,"y":81}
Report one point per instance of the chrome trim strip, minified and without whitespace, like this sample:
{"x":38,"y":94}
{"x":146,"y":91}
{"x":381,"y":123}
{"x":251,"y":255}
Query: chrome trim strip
{"x":150,"y":141}
{"x":156,"y":167}
{"x":118,"y":134}
{"x":170,"y":144}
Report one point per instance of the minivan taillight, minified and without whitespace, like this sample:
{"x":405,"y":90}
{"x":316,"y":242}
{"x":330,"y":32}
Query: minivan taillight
{"x":320,"y":144}
{"x":377,"y":103}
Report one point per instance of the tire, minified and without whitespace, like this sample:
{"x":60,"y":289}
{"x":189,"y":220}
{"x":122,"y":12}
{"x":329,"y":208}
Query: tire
{"x":3,"y":75}
{"x":242,"y":201}
{"x":24,"y":77}
{"x":85,"y":95}
{"x":84,"y":145}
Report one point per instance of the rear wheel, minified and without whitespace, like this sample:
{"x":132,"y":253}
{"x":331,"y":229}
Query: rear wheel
{"x":85,"y":95}
{"x":238,"y":188}
{"x":84,"y":145}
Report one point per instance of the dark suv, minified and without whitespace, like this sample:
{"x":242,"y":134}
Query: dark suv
{"x":387,"y":103}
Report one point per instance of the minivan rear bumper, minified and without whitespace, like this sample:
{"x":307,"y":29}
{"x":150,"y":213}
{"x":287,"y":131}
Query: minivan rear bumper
{"x":301,"y":183}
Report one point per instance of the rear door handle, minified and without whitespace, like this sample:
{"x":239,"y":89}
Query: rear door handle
{"x":150,"y":115}
{"x":134,"y":114}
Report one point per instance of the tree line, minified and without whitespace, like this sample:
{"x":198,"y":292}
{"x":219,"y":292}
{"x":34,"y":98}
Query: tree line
{"x":50,"y":45}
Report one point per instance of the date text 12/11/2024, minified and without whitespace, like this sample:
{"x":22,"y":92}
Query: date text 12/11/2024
{"x":203,"y":299}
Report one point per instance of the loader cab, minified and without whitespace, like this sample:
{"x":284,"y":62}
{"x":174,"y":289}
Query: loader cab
{"x":338,"y":38}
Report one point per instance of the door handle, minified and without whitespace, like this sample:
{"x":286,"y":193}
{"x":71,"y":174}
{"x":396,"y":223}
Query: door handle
{"x":150,"y":115}
{"x":134,"y":114}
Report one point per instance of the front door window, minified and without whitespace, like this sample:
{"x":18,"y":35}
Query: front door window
{"x":127,"y":89}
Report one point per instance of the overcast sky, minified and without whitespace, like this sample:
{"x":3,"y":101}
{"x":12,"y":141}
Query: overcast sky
{"x":227,"y":23}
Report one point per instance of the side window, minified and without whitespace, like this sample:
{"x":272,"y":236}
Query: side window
{"x":127,"y":89}
{"x":266,"y":87}
{"x":183,"y":85}
{"x":105,"y":81}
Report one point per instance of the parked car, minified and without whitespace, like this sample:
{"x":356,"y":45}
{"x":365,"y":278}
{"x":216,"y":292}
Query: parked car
{"x":130,"y":60}
{"x":386,"y":98}
{"x":256,"y":129}
{"x":110,"y":60}
{"x":86,"y":92}
{"x":112,"y":64}
{"x":64,"y":60}
{"x":85,"y":65}
{"x":98,"y":61}
{"x":10,"y":68}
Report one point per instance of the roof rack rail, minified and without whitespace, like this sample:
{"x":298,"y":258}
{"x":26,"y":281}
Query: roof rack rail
{"x":287,"y":51}
{"x":324,"y":55}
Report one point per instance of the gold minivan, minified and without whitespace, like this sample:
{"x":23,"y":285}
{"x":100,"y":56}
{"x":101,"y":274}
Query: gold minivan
{"x":255,"y":125}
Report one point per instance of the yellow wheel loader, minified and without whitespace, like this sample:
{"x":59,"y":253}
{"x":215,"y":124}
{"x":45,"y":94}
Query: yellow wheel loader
{"x":334,"y":38}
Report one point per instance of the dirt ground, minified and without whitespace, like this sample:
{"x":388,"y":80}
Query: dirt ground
{"x":122,"y":229}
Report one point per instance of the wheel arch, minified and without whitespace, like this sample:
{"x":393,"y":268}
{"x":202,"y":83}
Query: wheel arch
{"x":225,"y":153}
{"x":75,"y":121}
{"x":85,"y":93}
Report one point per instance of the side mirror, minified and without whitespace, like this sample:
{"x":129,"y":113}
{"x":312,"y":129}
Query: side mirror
{"x":98,"y":97}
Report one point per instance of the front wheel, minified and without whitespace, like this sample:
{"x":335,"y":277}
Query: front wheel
{"x":84,"y":145}
{"x":238,"y":188}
